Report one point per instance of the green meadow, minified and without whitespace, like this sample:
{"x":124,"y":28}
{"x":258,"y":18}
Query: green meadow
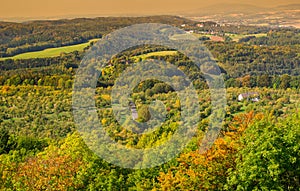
{"x":52,"y":52}
{"x":159,"y":53}
{"x":237,"y":37}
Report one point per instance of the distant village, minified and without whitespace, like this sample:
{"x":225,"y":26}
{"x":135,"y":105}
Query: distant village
{"x":206,"y":29}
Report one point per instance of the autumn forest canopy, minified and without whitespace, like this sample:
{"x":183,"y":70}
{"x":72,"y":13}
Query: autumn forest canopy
{"x":256,"y":149}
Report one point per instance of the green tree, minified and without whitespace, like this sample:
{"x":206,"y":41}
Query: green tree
{"x":285,"y":81}
{"x":4,"y":137}
{"x":143,"y":114}
{"x":270,"y":158}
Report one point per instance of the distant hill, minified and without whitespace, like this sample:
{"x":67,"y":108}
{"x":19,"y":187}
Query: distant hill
{"x":226,"y":8}
{"x":229,"y":8}
{"x":289,"y":7}
{"x":17,"y":38}
{"x":245,"y":14}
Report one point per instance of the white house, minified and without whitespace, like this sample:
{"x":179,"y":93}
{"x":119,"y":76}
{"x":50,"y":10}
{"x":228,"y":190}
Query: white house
{"x":253,"y":96}
{"x":190,"y":32}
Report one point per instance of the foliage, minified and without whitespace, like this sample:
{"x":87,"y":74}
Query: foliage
{"x":258,"y":148}
{"x":269,"y":159}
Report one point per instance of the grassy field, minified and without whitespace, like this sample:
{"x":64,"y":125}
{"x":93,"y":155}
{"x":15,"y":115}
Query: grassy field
{"x":201,"y":35}
{"x":237,"y":37}
{"x":51,"y":52}
{"x":160,"y":53}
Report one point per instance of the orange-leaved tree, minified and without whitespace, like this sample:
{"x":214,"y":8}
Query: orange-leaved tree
{"x":209,"y":170}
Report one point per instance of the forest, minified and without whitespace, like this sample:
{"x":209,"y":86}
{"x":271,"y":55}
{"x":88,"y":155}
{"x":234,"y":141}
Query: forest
{"x":258,"y":145}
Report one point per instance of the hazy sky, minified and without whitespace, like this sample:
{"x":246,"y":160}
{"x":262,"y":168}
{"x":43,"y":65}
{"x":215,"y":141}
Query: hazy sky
{"x":60,"y":8}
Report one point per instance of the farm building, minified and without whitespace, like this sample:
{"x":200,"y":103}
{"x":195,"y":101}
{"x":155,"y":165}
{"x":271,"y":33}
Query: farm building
{"x":190,"y":32}
{"x":252,"y":96}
